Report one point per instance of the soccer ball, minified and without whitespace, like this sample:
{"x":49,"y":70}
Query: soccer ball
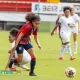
{"x":70,"y":72}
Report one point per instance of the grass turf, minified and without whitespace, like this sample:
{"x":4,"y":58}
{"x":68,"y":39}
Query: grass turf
{"x":48,"y":66}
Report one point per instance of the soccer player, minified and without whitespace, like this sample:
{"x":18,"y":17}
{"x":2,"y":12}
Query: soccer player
{"x":66,"y":22}
{"x":75,"y":29}
{"x":23,"y":41}
{"x":26,"y":56}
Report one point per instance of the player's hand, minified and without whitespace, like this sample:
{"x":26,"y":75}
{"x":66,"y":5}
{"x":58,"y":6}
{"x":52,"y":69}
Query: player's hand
{"x":52,"y":33}
{"x":6,"y":67}
{"x":39,"y":46}
{"x":9,"y":51}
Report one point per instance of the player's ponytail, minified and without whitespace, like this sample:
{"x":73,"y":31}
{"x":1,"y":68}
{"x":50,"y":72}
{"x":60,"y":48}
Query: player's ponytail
{"x":32,"y":17}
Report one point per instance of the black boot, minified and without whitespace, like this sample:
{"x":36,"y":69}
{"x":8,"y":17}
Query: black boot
{"x":32,"y":74}
{"x":11,"y":62}
{"x":33,"y":63}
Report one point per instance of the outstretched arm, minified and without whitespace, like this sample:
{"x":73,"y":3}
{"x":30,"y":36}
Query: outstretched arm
{"x":52,"y":32}
{"x":10,"y":57}
{"x":37,"y":41}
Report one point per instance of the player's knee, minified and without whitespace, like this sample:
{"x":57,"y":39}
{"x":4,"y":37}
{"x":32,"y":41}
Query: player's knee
{"x":19,"y":60}
{"x":68,"y":45}
{"x":33,"y":59}
{"x":33,"y":56}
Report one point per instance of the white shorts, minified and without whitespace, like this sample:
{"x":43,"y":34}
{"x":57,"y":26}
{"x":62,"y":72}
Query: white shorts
{"x":65,"y":36}
{"x":75,"y":29}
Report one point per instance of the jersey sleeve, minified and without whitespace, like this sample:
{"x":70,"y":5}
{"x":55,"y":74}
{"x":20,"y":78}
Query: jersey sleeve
{"x":36,"y":32}
{"x":77,"y":17}
{"x":73,"y":22}
{"x":60,"y":21}
{"x":25,"y":30}
{"x":13,"y":44}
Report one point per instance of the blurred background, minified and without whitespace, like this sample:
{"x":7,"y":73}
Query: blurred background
{"x":12,"y":12}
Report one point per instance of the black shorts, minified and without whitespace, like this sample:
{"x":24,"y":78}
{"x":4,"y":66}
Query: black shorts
{"x":20,"y":48}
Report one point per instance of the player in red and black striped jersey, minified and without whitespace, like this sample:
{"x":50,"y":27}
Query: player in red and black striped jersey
{"x":23,"y":41}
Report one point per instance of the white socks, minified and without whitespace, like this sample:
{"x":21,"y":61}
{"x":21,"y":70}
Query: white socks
{"x":13,"y":66}
{"x":62,"y":50}
{"x":23,"y":67}
{"x":69,"y":49}
{"x":75,"y":46}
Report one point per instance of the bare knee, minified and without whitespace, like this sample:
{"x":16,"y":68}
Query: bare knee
{"x":32,"y":53}
{"x":19,"y":60}
{"x":20,"y":56}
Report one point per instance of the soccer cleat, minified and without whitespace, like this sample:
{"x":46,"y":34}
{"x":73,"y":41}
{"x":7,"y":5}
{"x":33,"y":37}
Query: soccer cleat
{"x":72,"y":58}
{"x":32,"y":74}
{"x":13,"y":69}
{"x":61,"y":58}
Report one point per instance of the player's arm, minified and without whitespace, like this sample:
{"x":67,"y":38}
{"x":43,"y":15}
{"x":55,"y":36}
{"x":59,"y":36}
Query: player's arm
{"x":23,"y":32}
{"x":52,"y":32}
{"x":78,"y":20}
{"x":36,"y":39}
{"x":72,"y":25}
{"x":79,"y":25}
{"x":10,"y":57}
{"x":59,"y":21}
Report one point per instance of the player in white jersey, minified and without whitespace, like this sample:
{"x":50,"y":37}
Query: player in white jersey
{"x":75,"y":29}
{"x":26,"y":56}
{"x":66,"y":23}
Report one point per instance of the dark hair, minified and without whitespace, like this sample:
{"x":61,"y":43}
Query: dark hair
{"x":67,"y":8}
{"x":32,"y":17}
{"x":14,"y":32}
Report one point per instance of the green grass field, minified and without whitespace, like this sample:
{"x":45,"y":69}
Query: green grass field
{"x":48,"y":66}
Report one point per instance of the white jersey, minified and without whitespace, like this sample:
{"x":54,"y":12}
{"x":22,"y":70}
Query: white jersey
{"x":65,"y":31}
{"x":76,"y":19}
{"x":26,"y":56}
{"x":66,"y":24}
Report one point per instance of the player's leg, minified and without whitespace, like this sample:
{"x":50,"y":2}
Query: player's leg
{"x":68,"y":47}
{"x":63,"y":47}
{"x":62,"y":52}
{"x":75,"y":42}
{"x":26,"y":59}
{"x":69,"y":51}
{"x":33,"y":60}
{"x":31,"y":51}
{"x":20,"y":56}
{"x":66,"y":44}
{"x":13,"y":68}
{"x":18,"y":60}
{"x":23,"y":67}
